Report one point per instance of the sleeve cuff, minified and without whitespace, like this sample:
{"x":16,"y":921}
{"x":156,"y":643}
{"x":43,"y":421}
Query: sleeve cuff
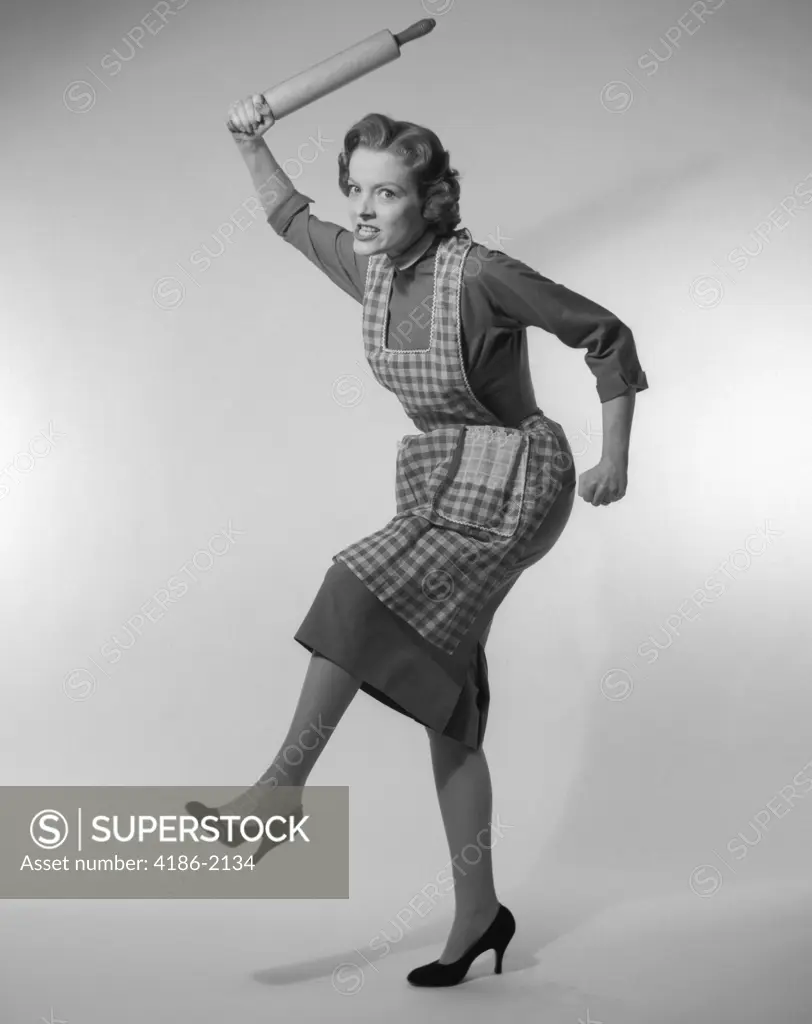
{"x":280,"y":217}
{"x":616,"y":384}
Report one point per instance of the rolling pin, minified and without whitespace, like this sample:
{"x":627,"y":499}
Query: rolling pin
{"x":343,"y":67}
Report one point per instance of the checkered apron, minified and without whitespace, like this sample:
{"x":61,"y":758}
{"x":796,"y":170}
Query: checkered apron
{"x":470,"y":493}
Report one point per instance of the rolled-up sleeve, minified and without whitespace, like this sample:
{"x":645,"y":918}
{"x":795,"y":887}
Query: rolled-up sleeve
{"x":521,"y":297}
{"x":328,"y":246}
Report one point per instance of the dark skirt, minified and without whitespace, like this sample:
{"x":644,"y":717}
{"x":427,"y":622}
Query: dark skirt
{"x":448,"y":694}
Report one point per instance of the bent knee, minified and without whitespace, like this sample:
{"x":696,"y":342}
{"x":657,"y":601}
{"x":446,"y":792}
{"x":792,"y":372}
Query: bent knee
{"x":439,"y":741}
{"x":434,"y":736}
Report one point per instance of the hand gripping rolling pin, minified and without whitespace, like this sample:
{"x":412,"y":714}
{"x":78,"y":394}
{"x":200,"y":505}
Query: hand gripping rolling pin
{"x":343,"y":67}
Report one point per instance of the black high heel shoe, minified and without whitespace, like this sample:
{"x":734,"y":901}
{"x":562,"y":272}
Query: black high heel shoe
{"x":199,"y":811}
{"x":496,"y":937}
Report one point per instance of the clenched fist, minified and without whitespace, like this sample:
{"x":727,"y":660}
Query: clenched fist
{"x":604,"y":483}
{"x":249,"y":118}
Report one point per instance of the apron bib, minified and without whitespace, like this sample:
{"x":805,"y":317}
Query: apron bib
{"x":469,"y":491}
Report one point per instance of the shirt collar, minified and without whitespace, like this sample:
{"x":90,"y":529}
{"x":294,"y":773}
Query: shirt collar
{"x":415,"y":251}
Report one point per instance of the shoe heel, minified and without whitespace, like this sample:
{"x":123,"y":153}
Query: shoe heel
{"x":502,"y":945}
{"x":500,"y":953}
{"x":266,"y":844}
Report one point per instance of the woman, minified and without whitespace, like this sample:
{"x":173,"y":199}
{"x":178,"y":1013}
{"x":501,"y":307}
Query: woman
{"x":483,"y":491}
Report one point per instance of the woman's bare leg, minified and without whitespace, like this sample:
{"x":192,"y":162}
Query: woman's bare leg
{"x":464,"y":791}
{"x":326,"y":694}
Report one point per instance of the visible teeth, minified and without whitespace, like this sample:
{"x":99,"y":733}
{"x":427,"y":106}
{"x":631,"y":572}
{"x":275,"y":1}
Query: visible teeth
{"x":367,"y":231}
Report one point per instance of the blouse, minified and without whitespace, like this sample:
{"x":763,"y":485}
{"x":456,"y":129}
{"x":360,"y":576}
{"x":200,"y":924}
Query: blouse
{"x":501,"y":297}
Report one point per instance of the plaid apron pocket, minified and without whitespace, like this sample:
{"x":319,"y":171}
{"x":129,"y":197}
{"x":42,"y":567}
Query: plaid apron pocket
{"x":483,"y":483}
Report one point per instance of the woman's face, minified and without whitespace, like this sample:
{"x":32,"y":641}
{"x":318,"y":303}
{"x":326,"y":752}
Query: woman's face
{"x":383,"y":195}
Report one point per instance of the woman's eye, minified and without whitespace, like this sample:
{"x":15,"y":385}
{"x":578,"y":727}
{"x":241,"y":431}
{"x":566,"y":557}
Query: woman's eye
{"x":385,"y":191}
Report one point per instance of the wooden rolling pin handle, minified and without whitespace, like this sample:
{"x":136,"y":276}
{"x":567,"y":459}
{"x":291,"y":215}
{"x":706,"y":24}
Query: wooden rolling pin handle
{"x":420,"y":28}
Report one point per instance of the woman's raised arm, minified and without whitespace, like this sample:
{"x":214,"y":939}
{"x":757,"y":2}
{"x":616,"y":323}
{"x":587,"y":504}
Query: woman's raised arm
{"x":248,"y":120}
{"x":327,"y":245}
